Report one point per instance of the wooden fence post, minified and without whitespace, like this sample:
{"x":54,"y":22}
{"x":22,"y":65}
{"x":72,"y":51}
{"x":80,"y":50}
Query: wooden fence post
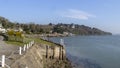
{"x":20,"y":50}
{"x":3,"y":60}
{"x":61,"y":41}
{"x":60,"y":52}
{"x":52,"y":52}
{"x":27,"y":46}
{"x":64,"y":53}
{"x":33,"y":42}
{"x":30,"y":44}
{"x":47,"y":49}
{"x":24,"y":47}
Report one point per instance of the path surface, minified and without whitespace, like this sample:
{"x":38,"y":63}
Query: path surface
{"x":6,"y":49}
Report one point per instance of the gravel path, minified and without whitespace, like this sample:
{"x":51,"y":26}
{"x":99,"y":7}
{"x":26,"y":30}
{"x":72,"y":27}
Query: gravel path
{"x":6,"y":49}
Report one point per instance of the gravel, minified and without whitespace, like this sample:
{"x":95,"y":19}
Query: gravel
{"x":6,"y":49}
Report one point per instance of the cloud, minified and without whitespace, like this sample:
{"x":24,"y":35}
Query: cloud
{"x":77,"y":14}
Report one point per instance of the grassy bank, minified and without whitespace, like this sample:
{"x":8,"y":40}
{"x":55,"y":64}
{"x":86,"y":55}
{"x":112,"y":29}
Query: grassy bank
{"x":37,"y":55}
{"x":27,"y":40}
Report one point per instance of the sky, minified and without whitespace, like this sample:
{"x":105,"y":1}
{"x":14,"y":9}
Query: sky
{"x":103,"y":14}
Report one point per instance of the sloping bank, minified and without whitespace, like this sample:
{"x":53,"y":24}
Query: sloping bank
{"x":43,"y":56}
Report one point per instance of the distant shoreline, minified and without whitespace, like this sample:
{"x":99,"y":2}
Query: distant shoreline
{"x":62,"y":35}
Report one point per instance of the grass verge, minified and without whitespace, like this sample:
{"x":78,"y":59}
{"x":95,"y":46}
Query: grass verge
{"x":27,"y":40}
{"x":38,"y":40}
{"x":14,"y":43}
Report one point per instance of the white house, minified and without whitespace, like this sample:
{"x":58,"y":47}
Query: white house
{"x":2,"y":30}
{"x":73,"y":26}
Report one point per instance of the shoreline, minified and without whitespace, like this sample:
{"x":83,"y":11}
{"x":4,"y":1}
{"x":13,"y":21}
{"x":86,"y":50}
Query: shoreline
{"x":34,"y":56}
{"x":37,"y":54}
{"x":68,"y":62}
{"x":81,"y":62}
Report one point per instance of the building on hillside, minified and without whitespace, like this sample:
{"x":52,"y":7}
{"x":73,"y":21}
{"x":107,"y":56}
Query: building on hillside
{"x":73,"y":26}
{"x":2,"y":30}
{"x":18,"y":29}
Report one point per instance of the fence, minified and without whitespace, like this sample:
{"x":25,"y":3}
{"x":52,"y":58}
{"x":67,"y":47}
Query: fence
{"x":52,"y":52}
{"x":20,"y":52}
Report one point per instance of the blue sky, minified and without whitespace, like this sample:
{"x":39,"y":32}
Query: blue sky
{"x":103,"y":14}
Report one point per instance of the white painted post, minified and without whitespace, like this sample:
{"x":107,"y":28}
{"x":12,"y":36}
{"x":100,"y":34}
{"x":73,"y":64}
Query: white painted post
{"x":20,"y":50}
{"x":30,"y":44}
{"x":3,"y":60}
{"x":61,"y":41}
{"x":27,"y":46}
{"x":26,"y":67}
{"x":24,"y":47}
{"x":33,"y":42}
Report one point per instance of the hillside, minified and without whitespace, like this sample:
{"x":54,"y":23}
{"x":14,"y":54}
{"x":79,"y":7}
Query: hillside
{"x":79,"y":29}
{"x":53,"y":28}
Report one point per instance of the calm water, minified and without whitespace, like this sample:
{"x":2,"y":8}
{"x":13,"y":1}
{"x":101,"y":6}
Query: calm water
{"x":93,"y":51}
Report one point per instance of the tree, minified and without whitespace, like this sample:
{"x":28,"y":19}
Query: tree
{"x":50,"y":24}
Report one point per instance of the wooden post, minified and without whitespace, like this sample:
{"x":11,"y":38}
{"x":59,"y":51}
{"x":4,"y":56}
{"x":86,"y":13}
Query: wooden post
{"x":3,"y":60}
{"x":64,"y":53}
{"x":24,"y":47}
{"x":31,"y":43}
{"x":47,"y":49}
{"x":52,"y":52}
{"x":26,"y":67}
{"x":49,"y":52}
{"x":57,"y":52}
{"x":60,"y":52}
{"x":27,"y":46}
{"x":62,"y":42}
{"x":20,"y":51}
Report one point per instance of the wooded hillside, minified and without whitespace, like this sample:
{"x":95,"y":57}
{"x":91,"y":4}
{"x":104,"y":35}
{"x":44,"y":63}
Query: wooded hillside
{"x":52,"y":28}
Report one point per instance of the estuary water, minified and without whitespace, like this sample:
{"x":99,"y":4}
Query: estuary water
{"x":92,"y":51}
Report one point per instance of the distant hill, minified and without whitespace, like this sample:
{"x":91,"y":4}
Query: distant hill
{"x":52,"y":28}
{"x":79,"y":29}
